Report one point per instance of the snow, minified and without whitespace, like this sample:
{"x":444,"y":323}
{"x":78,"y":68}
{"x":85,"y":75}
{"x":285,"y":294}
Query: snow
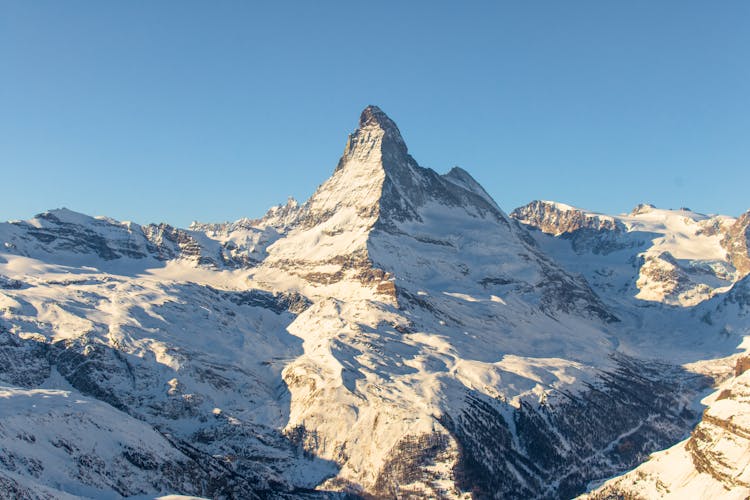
{"x":676,"y":232}
{"x":178,"y":497}
{"x":409,"y":311}
{"x":166,"y":497}
{"x":672,"y":473}
{"x":42,"y":428}
{"x":682,"y":262}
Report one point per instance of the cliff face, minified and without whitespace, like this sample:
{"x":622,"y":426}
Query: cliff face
{"x":557,"y":219}
{"x":737,"y":243}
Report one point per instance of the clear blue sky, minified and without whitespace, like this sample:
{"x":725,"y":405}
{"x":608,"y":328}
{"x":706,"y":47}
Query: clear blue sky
{"x":175,"y":111}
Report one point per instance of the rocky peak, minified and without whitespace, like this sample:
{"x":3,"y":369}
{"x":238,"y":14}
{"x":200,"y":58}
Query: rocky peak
{"x":373,"y":116}
{"x":375,"y":176}
{"x":463,"y":179}
{"x":376,"y":140}
{"x":642,"y":208}
{"x":558,"y":218}
{"x":64,"y":216}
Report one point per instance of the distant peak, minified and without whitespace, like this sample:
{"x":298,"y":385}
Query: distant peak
{"x":462,"y":178}
{"x":557,"y":218}
{"x":642,"y":208}
{"x":459,"y":173}
{"x":66,"y":216}
{"x":62,"y":214}
{"x":540,"y":206}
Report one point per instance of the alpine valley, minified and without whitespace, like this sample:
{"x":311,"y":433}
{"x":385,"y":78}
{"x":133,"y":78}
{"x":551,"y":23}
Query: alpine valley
{"x":398,"y":335}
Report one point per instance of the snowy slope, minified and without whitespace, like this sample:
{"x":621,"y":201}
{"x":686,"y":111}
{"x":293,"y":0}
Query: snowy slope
{"x":653,"y":257}
{"x":714,"y":462}
{"x":675,"y":257}
{"x":85,"y":448}
{"x":397,"y":334}
{"x":198,"y":363}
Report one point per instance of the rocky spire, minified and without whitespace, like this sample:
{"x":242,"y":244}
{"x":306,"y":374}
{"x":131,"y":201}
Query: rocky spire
{"x":377,"y":139}
{"x":373,"y":116}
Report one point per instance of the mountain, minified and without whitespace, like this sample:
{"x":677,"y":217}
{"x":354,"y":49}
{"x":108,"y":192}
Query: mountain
{"x":695,"y":263}
{"x":714,"y":461}
{"x":396,"y":335}
{"x":676,"y":257}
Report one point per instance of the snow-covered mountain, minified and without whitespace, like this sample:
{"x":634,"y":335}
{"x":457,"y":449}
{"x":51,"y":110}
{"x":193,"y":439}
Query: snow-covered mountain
{"x":397,"y":335}
{"x":698,"y":265}
{"x":676,"y":257}
{"x":714,"y":462}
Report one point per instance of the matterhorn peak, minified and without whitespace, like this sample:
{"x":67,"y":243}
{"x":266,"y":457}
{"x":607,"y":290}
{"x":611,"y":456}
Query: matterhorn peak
{"x":373,"y":116}
{"x":377,"y":139}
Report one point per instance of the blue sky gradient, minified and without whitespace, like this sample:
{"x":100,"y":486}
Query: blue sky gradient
{"x":180,"y":111}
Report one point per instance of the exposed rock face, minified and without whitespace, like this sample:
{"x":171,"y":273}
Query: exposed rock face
{"x":737,"y":243}
{"x":170,"y":243}
{"x":77,"y":238}
{"x":587,"y":232}
{"x":662,"y":275}
{"x":642,"y":208}
{"x":556,"y":218}
{"x":62,"y":230}
{"x":720,"y":445}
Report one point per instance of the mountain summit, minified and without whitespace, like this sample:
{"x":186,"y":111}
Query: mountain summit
{"x":374,"y":116}
{"x":377,"y":139}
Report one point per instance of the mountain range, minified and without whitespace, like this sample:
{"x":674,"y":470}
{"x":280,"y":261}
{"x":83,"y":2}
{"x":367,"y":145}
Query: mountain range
{"x":397,"y":335}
